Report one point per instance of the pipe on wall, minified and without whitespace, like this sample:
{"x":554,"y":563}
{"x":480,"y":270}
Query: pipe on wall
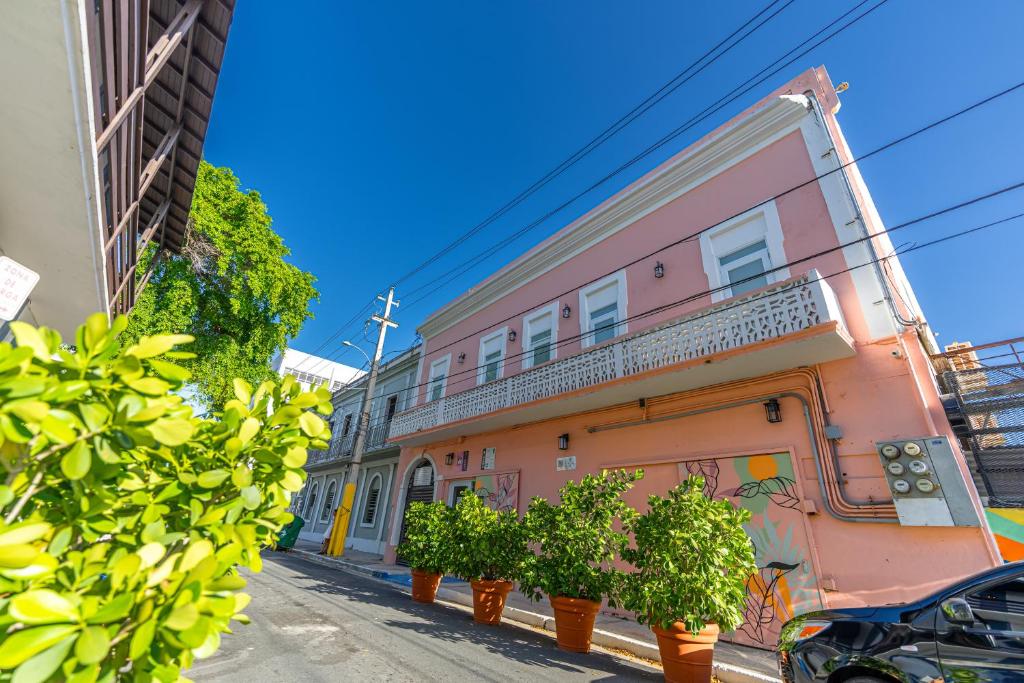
{"x":830,"y":483}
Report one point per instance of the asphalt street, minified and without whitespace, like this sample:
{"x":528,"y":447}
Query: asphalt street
{"x":313,"y":623}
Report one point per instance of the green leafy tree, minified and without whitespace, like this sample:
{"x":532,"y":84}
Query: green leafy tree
{"x":577,"y":542}
{"x":230,"y":288}
{"x":483,"y":543}
{"x":425,"y":545}
{"x":122,"y":516}
{"x":692,"y":560}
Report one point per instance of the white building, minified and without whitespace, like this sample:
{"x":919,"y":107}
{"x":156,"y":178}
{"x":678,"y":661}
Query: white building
{"x":314,"y":371}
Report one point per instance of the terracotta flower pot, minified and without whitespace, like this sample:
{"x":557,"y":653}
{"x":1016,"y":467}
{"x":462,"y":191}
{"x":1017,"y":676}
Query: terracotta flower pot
{"x":424,"y":585}
{"x":687,"y":658}
{"x":489,"y":600}
{"x":574,"y":622}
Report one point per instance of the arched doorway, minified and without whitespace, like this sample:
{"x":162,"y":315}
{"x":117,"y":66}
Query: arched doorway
{"x":419,"y":488}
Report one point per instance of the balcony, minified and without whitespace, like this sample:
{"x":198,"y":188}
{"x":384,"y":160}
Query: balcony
{"x":793,"y":323}
{"x":341,"y":447}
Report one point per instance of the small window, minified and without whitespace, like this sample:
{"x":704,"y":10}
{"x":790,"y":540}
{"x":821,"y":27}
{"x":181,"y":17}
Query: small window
{"x":458,"y":488}
{"x":347,"y":425}
{"x":438,"y":378}
{"x":745,"y":269}
{"x":392,"y":408}
{"x":603,"y":310}
{"x":372,"y":501}
{"x":325,"y":514}
{"x":492,"y":356}
{"x":739,"y":256}
{"x":539,"y":334}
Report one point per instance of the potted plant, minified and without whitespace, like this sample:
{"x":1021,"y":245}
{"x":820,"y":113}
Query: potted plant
{"x":691,"y":560}
{"x":576,"y":543}
{"x":426,"y":525}
{"x":488,"y":549}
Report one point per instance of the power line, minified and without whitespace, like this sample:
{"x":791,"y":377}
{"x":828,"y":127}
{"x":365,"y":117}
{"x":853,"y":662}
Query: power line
{"x":668,"y":88}
{"x":710,"y":291}
{"x":841,"y":167}
{"x":716,"y":106}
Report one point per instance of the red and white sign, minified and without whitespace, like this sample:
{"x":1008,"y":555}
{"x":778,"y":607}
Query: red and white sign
{"x":16,"y":283}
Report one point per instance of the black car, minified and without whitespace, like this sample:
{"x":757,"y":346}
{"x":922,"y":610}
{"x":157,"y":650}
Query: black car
{"x":970,"y":632}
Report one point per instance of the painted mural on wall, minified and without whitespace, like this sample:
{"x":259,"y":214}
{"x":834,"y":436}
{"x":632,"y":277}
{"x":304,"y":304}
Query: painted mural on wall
{"x":785,"y":584}
{"x":1007,"y":526}
{"x":499,"y":491}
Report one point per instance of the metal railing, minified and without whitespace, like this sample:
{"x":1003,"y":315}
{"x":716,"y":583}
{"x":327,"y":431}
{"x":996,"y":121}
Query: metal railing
{"x":341,"y":447}
{"x":790,"y":306}
{"x":985,"y":407}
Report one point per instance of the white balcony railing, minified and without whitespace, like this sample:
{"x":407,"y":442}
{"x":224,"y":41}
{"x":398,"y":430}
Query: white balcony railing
{"x":341,"y":447}
{"x":790,"y":306}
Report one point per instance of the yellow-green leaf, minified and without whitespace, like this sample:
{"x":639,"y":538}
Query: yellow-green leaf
{"x":243,"y":390}
{"x":41,"y":667}
{"x":93,"y":645}
{"x":295,"y":457}
{"x":311,"y":424}
{"x":76,"y":462}
{"x":168,"y":370}
{"x":151,"y":386}
{"x":251,"y":497}
{"x":291,"y":481}
{"x":171,"y":431}
{"x":141,"y":639}
{"x":57,"y":430}
{"x":29,"y":410}
{"x":248,"y":429}
{"x":21,"y":645}
{"x":42,"y":607}
{"x":212,"y":478}
{"x":155,"y":346}
{"x":241,"y":476}
{"x":150,"y":554}
{"x":194,"y":554}
{"x":17,"y":555}
{"x":96,"y":327}
{"x":182,"y":617}
{"x":26,"y":335}
{"x":26,"y":532}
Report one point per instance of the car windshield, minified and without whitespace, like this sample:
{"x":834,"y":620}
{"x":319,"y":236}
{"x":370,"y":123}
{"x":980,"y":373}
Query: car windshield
{"x":1002,"y":570}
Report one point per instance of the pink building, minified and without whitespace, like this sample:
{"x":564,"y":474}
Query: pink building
{"x":786,"y":368}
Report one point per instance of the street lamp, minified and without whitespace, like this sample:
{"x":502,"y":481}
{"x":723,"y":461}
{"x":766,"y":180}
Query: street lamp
{"x":365,"y":355}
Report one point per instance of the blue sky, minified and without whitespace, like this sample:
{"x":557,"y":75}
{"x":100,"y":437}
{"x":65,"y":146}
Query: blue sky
{"x":378,"y":132}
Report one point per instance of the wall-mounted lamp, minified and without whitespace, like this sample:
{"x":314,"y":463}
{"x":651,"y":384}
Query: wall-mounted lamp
{"x":563,"y":442}
{"x":462,"y":358}
{"x":772,"y":410}
{"x":511,"y":335}
{"x":659,"y":270}
{"x":566,"y":311}
{"x":449,"y":458}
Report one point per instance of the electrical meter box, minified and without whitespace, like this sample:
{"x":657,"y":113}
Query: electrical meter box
{"x":927,"y":485}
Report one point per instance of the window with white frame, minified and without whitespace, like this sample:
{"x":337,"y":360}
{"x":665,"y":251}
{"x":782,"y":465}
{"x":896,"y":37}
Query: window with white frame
{"x":438,"y":378}
{"x":492,"y":356}
{"x":738,"y":256}
{"x":603,"y":309}
{"x":372,"y":501}
{"x":540,"y":333}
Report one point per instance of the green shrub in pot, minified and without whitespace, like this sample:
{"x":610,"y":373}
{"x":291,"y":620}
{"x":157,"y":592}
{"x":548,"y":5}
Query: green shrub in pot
{"x":485,"y":544}
{"x":691,"y":558}
{"x":577,"y":543}
{"x":426,"y":537}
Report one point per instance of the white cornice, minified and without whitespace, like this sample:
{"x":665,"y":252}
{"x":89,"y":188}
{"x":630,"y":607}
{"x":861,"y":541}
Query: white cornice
{"x":677,"y":176}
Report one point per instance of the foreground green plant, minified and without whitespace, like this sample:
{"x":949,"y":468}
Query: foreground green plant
{"x":483,"y":543}
{"x":692,"y":560}
{"x":123,"y":515}
{"x":577,"y":541}
{"x":425,"y":546}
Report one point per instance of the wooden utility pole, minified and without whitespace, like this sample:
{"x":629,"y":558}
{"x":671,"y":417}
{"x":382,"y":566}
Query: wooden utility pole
{"x":336,"y":546}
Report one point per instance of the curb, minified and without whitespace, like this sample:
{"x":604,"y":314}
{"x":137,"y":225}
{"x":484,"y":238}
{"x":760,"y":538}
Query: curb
{"x":726,"y":673}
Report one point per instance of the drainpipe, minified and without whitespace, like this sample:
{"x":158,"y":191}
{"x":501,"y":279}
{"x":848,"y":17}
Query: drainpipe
{"x":825,"y":497}
{"x":858,"y":216}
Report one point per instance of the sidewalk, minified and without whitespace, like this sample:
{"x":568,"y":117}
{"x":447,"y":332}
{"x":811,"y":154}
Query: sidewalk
{"x":733,"y":663}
